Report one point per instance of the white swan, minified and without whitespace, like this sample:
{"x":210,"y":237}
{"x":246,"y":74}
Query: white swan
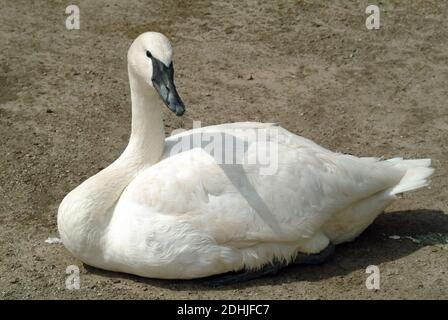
{"x":160,"y":213}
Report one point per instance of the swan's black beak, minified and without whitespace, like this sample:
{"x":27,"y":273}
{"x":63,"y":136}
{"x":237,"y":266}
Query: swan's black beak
{"x":163,"y":81}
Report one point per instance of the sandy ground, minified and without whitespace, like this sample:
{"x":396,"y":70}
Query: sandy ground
{"x":311,"y":66}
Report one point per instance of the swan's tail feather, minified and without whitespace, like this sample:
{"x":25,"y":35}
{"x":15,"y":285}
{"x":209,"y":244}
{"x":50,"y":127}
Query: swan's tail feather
{"x":416,"y":176}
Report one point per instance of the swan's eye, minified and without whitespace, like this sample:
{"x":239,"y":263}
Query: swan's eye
{"x":148,"y":54}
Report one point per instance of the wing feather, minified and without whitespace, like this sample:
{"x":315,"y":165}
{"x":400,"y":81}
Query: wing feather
{"x":236,"y":205}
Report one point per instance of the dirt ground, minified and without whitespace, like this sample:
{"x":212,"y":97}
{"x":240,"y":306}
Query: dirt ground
{"x":311,"y":66}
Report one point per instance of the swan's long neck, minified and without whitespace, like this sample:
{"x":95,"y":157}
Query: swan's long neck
{"x":147,"y":137}
{"x":85,"y":212}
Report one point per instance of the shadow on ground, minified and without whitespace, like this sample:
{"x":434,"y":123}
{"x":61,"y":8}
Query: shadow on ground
{"x":373,"y":247}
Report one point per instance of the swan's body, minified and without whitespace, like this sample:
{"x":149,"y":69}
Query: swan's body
{"x":157,"y":212}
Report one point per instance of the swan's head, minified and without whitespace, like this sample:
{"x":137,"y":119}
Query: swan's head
{"x":150,"y":59}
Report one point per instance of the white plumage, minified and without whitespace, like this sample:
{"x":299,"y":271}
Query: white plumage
{"x":164,"y":213}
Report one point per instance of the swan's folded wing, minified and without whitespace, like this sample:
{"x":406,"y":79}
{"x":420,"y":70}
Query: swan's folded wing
{"x":236,"y":205}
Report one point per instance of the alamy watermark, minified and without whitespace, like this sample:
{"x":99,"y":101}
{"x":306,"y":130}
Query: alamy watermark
{"x":73,"y":281}
{"x":72,"y":22}
{"x":373,"y":20}
{"x":373,"y":280}
{"x":257,"y":147}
